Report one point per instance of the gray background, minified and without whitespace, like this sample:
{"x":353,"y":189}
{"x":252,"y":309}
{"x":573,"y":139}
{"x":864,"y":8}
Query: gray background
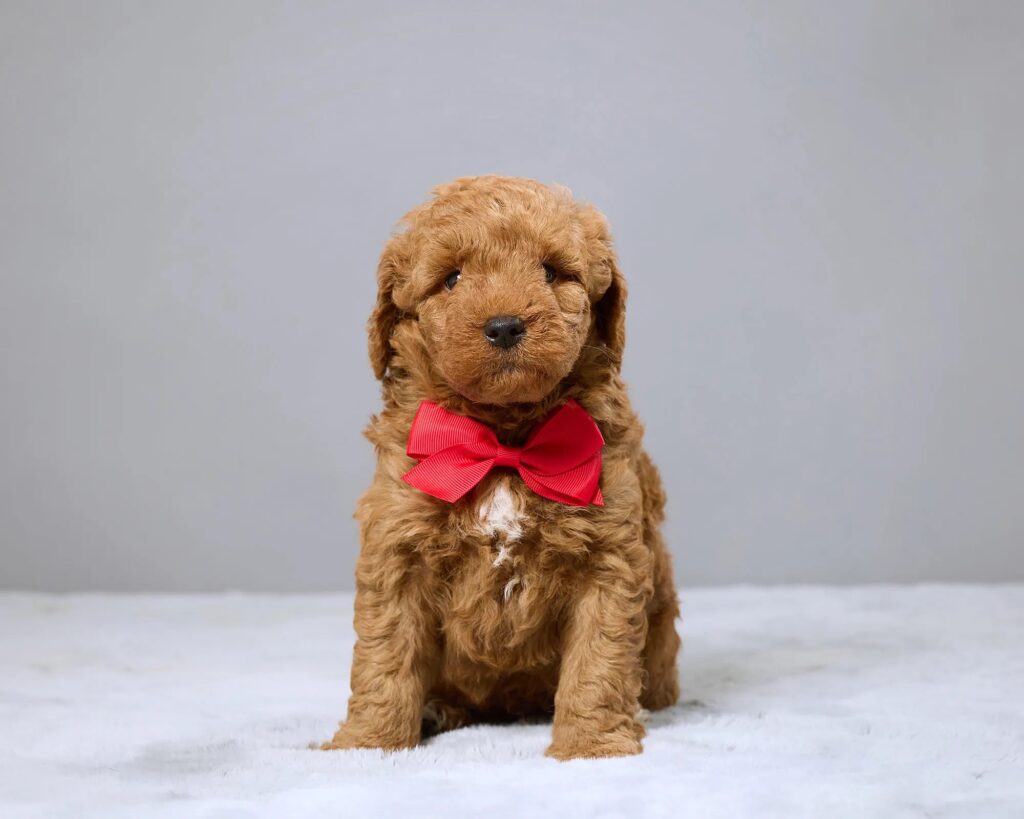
{"x":818,"y":206}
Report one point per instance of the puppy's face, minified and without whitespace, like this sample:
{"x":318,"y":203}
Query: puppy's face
{"x":506,"y":280}
{"x":504,"y":324}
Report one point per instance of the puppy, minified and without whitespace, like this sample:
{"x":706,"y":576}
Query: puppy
{"x":511,"y":560}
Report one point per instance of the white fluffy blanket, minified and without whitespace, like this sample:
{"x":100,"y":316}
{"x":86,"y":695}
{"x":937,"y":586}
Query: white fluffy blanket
{"x":817,"y":702}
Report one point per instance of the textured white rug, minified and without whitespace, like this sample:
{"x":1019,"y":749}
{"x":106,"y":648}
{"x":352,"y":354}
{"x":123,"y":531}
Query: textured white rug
{"x":818,"y":702}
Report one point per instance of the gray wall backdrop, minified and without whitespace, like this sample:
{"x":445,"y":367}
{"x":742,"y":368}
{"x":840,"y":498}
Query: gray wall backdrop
{"x":818,"y":206}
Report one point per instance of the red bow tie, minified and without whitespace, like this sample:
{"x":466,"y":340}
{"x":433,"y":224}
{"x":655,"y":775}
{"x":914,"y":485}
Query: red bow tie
{"x":561,"y":459}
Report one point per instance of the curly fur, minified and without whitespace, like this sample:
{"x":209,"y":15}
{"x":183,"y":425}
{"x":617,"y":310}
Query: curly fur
{"x":506,"y":604}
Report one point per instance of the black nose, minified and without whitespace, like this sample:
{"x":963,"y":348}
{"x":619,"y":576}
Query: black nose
{"x":505,"y":331}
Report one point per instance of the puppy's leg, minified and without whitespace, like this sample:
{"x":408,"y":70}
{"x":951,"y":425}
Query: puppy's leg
{"x":396,"y":653}
{"x":661,"y":683}
{"x":440,"y":716}
{"x":599,"y":686}
{"x":661,"y":676}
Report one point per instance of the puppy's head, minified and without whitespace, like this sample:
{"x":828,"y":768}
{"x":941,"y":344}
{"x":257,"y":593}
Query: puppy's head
{"x":496,"y":286}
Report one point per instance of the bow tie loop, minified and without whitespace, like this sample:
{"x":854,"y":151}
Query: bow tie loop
{"x":561,"y":460}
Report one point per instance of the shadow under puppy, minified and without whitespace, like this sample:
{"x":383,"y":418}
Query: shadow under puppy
{"x":511,"y":560}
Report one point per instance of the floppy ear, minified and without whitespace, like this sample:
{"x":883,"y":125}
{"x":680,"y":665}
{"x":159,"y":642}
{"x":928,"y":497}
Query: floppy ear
{"x":610,"y":311}
{"x":385,"y":313}
{"x":610,"y":308}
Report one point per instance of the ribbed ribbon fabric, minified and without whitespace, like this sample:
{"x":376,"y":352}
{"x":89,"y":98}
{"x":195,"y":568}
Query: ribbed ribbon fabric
{"x":561,"y":459}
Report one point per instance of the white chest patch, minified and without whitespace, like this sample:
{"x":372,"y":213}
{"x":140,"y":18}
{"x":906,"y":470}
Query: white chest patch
{"x":501,"y":520}
{"x":499,"y":515}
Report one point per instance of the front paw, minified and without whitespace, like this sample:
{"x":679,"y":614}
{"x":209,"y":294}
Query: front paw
{"x":582,"y":744}
{"x":352,"y":735}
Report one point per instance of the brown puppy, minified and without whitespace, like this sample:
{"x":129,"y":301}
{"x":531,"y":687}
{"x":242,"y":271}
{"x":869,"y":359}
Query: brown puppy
{"x":506,"y":604}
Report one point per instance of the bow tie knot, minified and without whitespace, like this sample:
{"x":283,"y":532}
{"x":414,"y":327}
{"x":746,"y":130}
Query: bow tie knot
{"x":507,"y":456}
{"x":561,"y":460}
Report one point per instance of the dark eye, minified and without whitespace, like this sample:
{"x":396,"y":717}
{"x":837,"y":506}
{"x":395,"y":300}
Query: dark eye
{"x":453,"y":279}
{"x":550,"y":274}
